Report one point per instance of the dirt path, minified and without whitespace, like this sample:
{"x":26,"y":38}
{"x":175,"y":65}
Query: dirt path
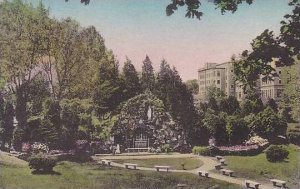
{"x":208,"y":165}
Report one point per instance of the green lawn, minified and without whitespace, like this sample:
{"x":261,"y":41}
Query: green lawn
{"x":15,"y":174}
{"x":257,"y":167}
{"x":175,"y":163}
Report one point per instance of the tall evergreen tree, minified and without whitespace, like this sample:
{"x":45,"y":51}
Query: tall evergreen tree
{"x":131,"y":80}
{"x":148,"y":78}
{"x":8,"y":122}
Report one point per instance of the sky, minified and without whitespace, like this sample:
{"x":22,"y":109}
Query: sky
{"x":136,"y":28}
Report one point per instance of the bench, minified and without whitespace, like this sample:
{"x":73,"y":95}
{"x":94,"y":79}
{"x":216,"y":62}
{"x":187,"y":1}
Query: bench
{"x":106,"y":162}
{"x":222,"y":161}
{"x":158,"y":167}
{"x":181,"y":186}
{"x":127,"y":165}
{"x":249,"y":183}
{"x":275,"y":181}
{"x":137,"y":150}
{"x":227,"y":172}
{"x":219,"y":157}
{"x":203,"y":173}
{"x":218,"y":167}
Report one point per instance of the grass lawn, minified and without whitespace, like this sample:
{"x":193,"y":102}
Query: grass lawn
{"x":175,"y":163}
{"x":257,"y":167}
{"x":15,"y":174}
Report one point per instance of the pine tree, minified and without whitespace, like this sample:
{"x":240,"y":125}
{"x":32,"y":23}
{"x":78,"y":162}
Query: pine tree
{"x":148,"y":78}
{"x":8,"y":122}
{"x":131,"y":80}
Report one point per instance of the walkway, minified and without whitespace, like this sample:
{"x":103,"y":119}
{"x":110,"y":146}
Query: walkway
{"x":208,"y":165}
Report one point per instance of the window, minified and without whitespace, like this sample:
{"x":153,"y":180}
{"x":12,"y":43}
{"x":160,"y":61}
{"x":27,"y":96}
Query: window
{"x":218,"y":74}
{"x":279,"y":81}
{"x":218,"y":81}
{"x":279,"y":72}
{"x":232,"y":86}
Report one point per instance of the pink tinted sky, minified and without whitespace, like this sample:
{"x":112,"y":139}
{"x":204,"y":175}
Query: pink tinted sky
{"x":135,"y":28}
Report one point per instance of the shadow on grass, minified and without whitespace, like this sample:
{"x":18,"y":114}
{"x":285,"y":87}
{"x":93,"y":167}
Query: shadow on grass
{"x":39,"y":172}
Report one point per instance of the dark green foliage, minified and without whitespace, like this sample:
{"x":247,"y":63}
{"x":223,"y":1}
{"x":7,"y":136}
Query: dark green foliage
{"x":131,"y":80}
{"x":294,"y":137}
{"x":7,"y":123}
{"x":230,"y":105}
{"x":108,"y":93}
{"x":42,"y":163}
{"x":148,"y":78}
{"x":237,"y":130}
{"x":18,"y":138}
{"x":272,"y":104}
{"x":252,"y":103}
{"x":268,"y":124}
{"x":206,"y":151}
{"x":213,"y":104}
{"x":276,"y":153}
{"x":216,"y":125}
{"x":193,"y":86}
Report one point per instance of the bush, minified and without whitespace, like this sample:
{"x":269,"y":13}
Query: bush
{"x":240,"y":150}
{"x":42,"y":163}
{"x":294,"y":138}
{"x":205,"y":151}
{"x":166,"y":148}
{"x":276,"y":153}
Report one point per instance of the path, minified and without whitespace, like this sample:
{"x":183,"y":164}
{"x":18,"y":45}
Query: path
{"x":208,"y":165}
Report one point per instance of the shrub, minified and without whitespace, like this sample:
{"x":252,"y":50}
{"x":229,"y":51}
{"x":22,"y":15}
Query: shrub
{"x":42,"y":163}
{"x":38,"y":147}
{"x":205,"y":151}
{"x":166,"y":148}
{"x":276,"y":153}
{"x":294,"y":138}
{"x":240,"y":150}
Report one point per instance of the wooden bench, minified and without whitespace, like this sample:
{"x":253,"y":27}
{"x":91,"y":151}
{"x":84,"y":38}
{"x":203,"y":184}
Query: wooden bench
{"x":132,"y":165}
{"x":275,"y":181}
{"x":218,"y":167}
{"x":106,"y":162}
{"x":249,"y":183}
{"x":219,"y":157}
{"x":203,"y":173}
{"x":158,"y":167}
{"x":227,"y":172}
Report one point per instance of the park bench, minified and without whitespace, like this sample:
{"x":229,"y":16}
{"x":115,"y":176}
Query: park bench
{"x":219,"y":157}
{"x":181,"y":186}
{"x":227,"y":172}
{"x":158,"y":167}
{"x":222,"y":161}
{"x":132,"y":165}
{"x":203,"y":173}
{"x":276,"y":181}
{"x":218,"y":167}
{"x":105,"y":162}
{"x":249,"y":183}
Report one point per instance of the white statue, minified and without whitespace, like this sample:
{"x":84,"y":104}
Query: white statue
{"x":149,"y":113}
{"x":118,"y":151}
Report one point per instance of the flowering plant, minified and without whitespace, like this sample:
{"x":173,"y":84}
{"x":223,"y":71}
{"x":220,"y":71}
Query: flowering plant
{"x":38,"y":147}
{"x":26,"y":147}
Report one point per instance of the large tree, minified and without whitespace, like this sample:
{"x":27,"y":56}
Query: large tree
{"x":148,"y":78}
{"x":131,"y":80}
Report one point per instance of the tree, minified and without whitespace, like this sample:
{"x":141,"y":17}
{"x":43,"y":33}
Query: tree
{"x":230,"y":105}
{"x":2,"y":129}
{"x":272,"y":104}
{"x":216,"y":125}
{"x":193,"y":86}
{"x":131,"y":80}
{"x":268,"y":124}
{"x":108,"y":93}
{"x":237,"y":130}
{"x":8,"y":124}
{"x":148,"y":78}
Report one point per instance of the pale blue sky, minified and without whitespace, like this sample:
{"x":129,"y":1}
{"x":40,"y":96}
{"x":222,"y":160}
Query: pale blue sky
{"x":135,"y":28}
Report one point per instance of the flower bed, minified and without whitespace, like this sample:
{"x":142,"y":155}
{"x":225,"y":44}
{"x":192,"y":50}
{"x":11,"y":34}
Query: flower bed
{"x":240,"y":150}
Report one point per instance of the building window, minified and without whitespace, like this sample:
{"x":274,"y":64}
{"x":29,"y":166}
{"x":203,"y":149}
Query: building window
{"x":218,"y":81}
{"x":218,"y":74}
{"x":231,"y":86}
{"x":279,"y":72}
{"x":279,"y":81}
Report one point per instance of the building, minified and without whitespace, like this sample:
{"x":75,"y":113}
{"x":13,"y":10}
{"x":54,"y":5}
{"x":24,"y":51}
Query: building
{"x":218,"y":75}
{"x":222,"y":77}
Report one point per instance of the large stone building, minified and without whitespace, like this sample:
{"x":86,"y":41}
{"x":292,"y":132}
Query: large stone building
{"x":222,"y":77}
